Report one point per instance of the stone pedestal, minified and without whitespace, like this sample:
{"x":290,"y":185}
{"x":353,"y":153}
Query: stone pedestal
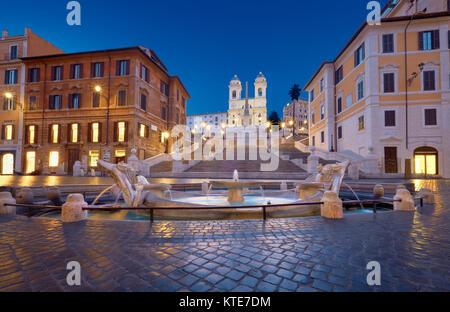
{"x":427,"y":195}
{"x":77,"y":169}
{"x":72,"y":210}
{"x":378,"y":190}
{"x":235,"y":195}
{"x":54,"y":195}
{"x":332,"y":206}
{"x":205,"y":188}
{"x":6,"y":198}
{"x":406,"y":203}
{"x":313,"y":161}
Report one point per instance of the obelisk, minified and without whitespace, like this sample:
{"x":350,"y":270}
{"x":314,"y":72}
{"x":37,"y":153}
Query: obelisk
{"x":246,"y":119}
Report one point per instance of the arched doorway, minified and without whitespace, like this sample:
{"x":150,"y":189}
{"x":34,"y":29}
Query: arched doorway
{"x":7,"y":163}
{"x":426,"y":161}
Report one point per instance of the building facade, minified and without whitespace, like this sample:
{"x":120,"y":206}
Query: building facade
{"x":257,"y":106}
{"x":295,"y":116}
{"x":367,"y":101}
{"x":215,"y":120}
{"x":12,"y":87}
{"x":98,"y":105}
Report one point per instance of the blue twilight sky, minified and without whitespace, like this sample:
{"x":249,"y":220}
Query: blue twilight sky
{"x":205,"y":42}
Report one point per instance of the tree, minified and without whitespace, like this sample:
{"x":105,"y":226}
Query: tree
{"x":274,"y":118}
{"x":294,"y":93}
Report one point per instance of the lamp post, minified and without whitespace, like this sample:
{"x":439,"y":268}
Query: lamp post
{"x":10,"y":96}
{"x":98,"y":89}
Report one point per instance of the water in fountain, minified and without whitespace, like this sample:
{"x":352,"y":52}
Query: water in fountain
{"x":356,"y":195}
{"x":235,"y":175}
{"x":168,"y":194}
{"x":262,"y":192}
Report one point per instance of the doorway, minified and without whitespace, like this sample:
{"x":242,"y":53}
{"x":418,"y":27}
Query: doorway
{"x":73,"y":156}
{"x":426,"y":161}
{"x":8,"y":164}
{"x":390,"y":159}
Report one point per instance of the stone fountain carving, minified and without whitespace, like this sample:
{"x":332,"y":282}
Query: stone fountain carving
{"x":135,"y":188}
{"x":235,"y":187}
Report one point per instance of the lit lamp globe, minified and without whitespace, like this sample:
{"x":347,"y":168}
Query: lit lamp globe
{"x":98,"y":89}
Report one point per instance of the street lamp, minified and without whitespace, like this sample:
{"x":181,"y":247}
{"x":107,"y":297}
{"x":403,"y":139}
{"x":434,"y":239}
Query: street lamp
{"x":8,"y":95}
{"x":98,"y":89}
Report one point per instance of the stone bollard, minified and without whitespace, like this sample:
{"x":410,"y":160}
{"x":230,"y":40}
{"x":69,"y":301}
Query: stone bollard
{"x":378,"y":190}
{"x":6,"y":198}
{"x":427,"y":195}
{"x":332,"y":206}
{"x":205,"y":188}
{"x":54,"y":195}
{"x":283,"y":186}
{"x":407,"y":201}
{"x":25,"y":196}
{"x":72,"y":210}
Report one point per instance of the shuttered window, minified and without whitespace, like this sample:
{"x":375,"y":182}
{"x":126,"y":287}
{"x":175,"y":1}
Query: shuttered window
{"x":360,"y":55}
{"x":388,"y":43}
{"x":429,"y":40}
{"x":430,"y":117}
{"x":388,"y":82}
{"x":389,"y":118}
{"x":429,"y":81}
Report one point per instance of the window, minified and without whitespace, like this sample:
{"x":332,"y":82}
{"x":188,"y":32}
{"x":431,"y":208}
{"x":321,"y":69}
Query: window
{"x":429,"y":40}
{"x":120,"y":153}
{"x":10,"y":76}
{"x":388,"y":82}
{"x":13,"y":52}
{"x":122,"y":68}
{"x":145,"y":73}
{"x":76,"y":71}
{"x":97,"y":69}
{"x":163,"y":113}
{"x":339,"y":75}
{"x":388,"y":43}
{"x":322,"y":112}
{"x":429,"y":81}
{"x":30,"y":162}
{"x":75,"y":100}
{"x":95,"y":99}
{"x":313,"y":143}
{"x":93,"y":157}
{"x":389,"y":118}
{"x":57,"y":73}
{"x":349,"y":100}
{"x":360,"y":90}
{"x":9,"y":104}
{"x":55,"y":102}
{"x":34,"y":74}
{"x":8,"y":132}
{"x":121,"y":129}
{"x":339,"y":105}
{"x":143,"y":131}
{"x":122,"y":98}
{"x":322,"y":137}
{"x":430,"y":117}
{"x":313,"y":118}
{"x":94,"y":132}
{"x":31,"y":135}
{"x":359,"y":55}
{"x":164,"y":88}
{"x":74,"y":130}
{"x":312,"y":95}
{"x":143,"y":102}
{"x":53,"y":159}
{"x":321,"y":85}
{"x":54,"y":133}
{"x":260,"y":92}
{"x":339,"y":132}
{"x":361,"y":123}
{"x":183,"y":102}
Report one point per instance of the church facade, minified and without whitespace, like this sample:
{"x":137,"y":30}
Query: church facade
{"x":244,"y":111}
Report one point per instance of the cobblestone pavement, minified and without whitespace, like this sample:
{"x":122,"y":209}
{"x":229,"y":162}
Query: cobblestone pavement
{"x":299,"y":254}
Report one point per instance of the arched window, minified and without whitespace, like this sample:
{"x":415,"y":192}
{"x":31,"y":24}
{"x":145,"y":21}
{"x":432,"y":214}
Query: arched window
{"x":426,"y":161}
{"x":260,"y":92}
{"x":234,"y":94}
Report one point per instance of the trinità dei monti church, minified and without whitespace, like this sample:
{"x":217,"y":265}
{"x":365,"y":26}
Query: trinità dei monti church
{"x":247,"y":111}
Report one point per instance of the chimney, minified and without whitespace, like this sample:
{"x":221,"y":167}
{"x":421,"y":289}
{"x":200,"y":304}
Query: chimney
{"x":4,"y":34}
{"x":27,"y":31}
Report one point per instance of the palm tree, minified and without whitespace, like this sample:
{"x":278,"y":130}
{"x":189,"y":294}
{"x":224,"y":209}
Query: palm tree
{"x":294,"y":93}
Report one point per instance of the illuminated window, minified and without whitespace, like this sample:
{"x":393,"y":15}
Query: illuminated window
{"x":120,"y":153}
{"x":32,"y":135}
{"x":93,"y":157}
{"x":361,"y":123}
{"x":74,"y":133}
{"x":121,"y":131}
{"x":142,"y":130}
{"x":8,"y":132}
{"x":53,"y":159}
{"x":8,"y":163}
{"x":55,"y":133}
{"x":30,"y":162}
{"x":95,"y":132}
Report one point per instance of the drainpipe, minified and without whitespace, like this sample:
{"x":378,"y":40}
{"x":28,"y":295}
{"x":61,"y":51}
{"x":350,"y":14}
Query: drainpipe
{"x":406,"y":81}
